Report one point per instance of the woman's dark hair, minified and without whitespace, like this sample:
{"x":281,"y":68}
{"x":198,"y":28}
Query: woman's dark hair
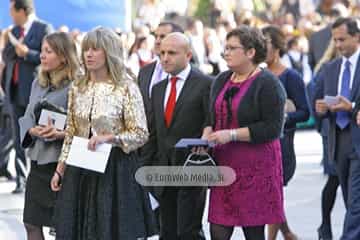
{"x":26,"y":5}
{"x":250,"y":37}
{"x":277,"y":38}
{"x":352,"y":25}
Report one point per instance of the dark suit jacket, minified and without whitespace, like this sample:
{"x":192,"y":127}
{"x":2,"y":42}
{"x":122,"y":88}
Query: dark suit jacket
{"x":327,"y":84}
{"x":144,"y":80}
{"x":318,"y":43}
{"x":27,"y":65}
{"x":261,"y":109}
{"x":189,"y":119}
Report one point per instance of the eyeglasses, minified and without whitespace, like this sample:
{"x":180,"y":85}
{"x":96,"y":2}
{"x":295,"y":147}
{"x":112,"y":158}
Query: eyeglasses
{"x":232,"y":48}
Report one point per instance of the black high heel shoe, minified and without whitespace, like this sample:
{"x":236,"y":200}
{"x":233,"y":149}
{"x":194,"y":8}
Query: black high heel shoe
{"x":324,"y":233}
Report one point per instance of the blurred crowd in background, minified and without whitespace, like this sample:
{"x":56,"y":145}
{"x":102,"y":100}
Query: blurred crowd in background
{"x":207,"y":22}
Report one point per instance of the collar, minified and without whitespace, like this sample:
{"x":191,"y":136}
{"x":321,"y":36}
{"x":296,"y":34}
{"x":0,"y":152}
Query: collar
{"x":353,"y":58}
{"x":158,"y":63}
{"x":156,"y":58}
{"x":183,"y":75}
{"x":29,"y":22}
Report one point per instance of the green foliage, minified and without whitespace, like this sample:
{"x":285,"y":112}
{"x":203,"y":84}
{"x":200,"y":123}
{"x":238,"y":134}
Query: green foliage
{"x":203,"y":10}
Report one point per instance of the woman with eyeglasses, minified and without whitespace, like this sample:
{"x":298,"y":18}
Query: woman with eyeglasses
{"x":247,"y":113}
{"x":299,"y":112}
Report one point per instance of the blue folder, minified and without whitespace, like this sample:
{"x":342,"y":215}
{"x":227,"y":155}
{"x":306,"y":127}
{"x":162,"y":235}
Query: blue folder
{"x":193,"y":142}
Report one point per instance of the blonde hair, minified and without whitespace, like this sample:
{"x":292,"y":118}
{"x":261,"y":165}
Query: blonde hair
{"x":111,"y":44}
{"x":329,"y":54}
{"x":64,"y":47}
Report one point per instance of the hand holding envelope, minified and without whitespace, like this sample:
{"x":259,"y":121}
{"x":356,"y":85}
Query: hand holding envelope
{"x":20,"y":48}
{"x":322,"y":106}
{"x":333,"y":104}
{"x":81,"y":156}
{"x":343,"y":104}
{"x":331,"y":100}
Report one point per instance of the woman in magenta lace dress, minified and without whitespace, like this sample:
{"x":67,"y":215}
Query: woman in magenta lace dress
{"x":247,"y":114}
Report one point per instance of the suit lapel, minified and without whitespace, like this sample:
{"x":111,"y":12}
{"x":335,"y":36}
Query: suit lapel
{"x":189,"y":84}
{"x":16,"y":32}
{"x":356,"y":81}
{"x":30,"y":33}
{"x":160,"y":102}
{"x":148,"y":76}
{"x":334,"y":81}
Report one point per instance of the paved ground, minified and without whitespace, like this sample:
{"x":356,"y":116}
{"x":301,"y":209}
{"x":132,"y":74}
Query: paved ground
{"x":302,"y":197}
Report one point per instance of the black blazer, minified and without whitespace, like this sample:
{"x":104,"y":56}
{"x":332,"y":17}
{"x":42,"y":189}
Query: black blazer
{"x":144,"y":80}
{"x":189,"y":119}
{"x":261,"y":109}
{"x":28,"y":64}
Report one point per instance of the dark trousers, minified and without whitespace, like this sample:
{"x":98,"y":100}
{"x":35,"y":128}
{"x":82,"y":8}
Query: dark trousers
{"x":5,"y":137}
{"x":181,"y":211}
{"x":348,"y":169}
{"x":20,"y":160}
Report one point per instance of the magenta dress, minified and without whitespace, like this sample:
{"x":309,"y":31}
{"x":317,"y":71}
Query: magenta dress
{"x":256,"y":197}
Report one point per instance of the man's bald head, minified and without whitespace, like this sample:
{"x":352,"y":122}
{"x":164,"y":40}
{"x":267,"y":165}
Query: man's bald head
{"x":175,"y":53}
{"x":179,"y":39}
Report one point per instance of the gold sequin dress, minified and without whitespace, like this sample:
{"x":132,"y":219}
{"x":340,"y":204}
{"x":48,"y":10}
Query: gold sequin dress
{"x":110,"y":205}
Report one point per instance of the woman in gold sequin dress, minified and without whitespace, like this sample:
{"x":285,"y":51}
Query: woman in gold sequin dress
{"x":104,"y":106}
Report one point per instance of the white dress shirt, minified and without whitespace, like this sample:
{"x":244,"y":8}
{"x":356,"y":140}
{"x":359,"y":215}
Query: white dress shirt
{"x":158,"y":75}
{"x":27,"y":25}
{"x":353,"y":61}
{"x":182,"y":76}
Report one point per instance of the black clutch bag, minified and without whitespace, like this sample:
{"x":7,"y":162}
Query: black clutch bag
{"x":44,"y":104}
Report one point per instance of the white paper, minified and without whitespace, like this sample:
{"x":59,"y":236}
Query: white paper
{"x":13,"y":40}
{"x":331,"y":100}
{"x":153,"y":202}
{"x":81,"y":156}
{"x":57,"y":119}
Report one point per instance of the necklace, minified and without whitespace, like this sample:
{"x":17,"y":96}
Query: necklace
{"x":235,"y":77}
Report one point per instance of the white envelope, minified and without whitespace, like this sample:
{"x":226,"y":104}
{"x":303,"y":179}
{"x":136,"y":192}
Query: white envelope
{"x":58,"y":119}
{"x":81,"y":156}
{"x":13,"y":40}
{"x":331,"y":100}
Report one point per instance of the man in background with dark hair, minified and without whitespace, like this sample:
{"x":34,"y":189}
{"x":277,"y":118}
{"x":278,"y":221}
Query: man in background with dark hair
{"x":320,"y":40}
{"x":153,"y":73}
{"x":341,"y":78}
{"x":21,"y":58}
